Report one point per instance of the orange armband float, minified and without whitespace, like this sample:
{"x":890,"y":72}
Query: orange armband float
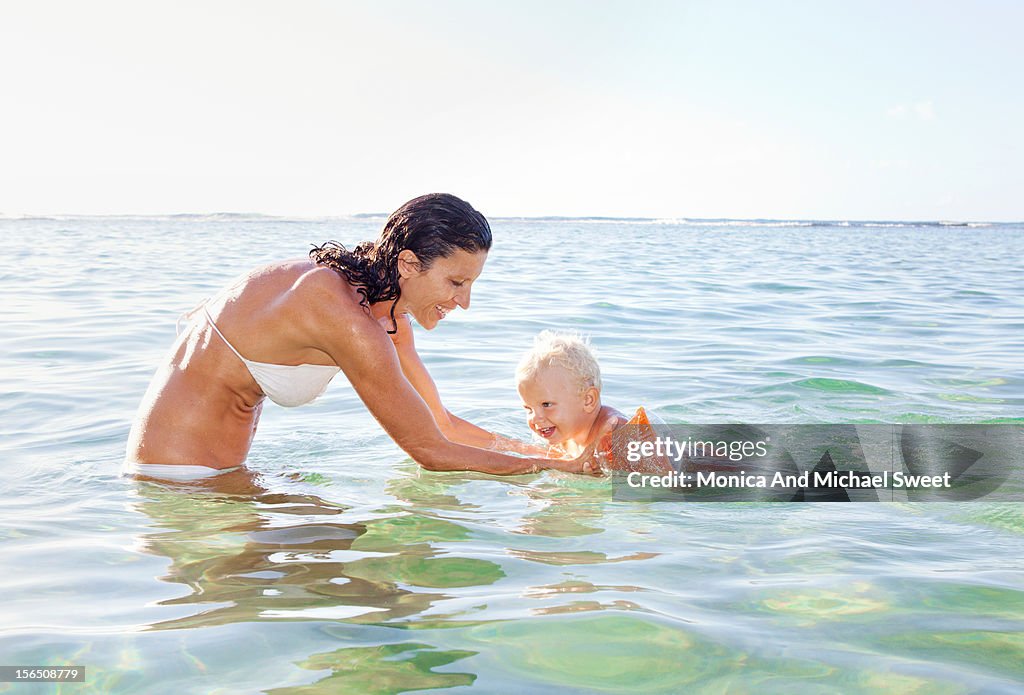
{"x":619,"y":450}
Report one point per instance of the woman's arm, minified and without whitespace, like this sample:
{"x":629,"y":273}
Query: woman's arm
{"x":364,"y":352}
{"x":453,"y":427}
{"x":466,"y":432}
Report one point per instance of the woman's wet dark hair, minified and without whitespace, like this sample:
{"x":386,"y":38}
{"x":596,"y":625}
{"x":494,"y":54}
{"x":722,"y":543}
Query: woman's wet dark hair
{"x":431,"y":226}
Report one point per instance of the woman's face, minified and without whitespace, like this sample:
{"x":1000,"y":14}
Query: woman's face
{"x":428,"y":295}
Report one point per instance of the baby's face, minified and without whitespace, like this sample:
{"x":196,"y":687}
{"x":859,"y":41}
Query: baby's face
{"x":556,"y":410}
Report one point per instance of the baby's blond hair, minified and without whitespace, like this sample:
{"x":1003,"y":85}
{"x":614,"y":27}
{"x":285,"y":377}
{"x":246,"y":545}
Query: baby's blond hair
{"x":567,"y":350}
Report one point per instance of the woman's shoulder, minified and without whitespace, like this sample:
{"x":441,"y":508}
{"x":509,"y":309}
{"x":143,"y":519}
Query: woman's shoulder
{"x":322,"y":293}
{"x":291,"y":285}
{"x":308,"y":278}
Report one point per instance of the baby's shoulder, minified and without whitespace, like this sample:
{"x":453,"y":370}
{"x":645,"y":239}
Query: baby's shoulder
{"x":611,"y":418}
{"x":608,"y":420}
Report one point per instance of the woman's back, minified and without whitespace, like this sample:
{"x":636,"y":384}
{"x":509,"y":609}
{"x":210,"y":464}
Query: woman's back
{"x":204,"y":402}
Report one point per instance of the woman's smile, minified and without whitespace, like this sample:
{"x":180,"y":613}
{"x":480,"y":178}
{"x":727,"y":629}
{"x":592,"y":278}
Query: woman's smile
{"x":449,"y":278}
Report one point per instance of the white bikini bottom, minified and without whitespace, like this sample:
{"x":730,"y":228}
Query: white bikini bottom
{"x":173,"y":471}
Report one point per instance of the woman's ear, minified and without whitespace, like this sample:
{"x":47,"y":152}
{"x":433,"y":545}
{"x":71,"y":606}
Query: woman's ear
{"x":591,"y":399}
{"x":408,"y":263}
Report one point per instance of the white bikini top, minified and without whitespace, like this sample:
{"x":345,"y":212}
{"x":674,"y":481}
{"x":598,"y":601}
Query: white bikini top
{"x":287,"y":385}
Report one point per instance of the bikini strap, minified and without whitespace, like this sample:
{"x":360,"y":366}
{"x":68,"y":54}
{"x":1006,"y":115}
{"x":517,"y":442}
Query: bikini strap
{"x":209,"y":318}
{"x":187,"y":316}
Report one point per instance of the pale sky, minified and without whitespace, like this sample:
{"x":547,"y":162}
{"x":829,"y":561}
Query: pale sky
{"x":822,"y":110}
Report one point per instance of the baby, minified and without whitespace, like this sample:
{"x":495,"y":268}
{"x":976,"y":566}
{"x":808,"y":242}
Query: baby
{"x":560,"y":385}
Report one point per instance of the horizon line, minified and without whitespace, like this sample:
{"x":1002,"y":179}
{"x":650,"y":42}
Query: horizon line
{"x":679,"y":219}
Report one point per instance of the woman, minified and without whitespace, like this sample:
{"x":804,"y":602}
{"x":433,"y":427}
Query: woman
{"x":286,"y":329}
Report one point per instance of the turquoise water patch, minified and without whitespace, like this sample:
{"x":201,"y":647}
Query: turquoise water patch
{"x":840,"y":386}
{"x":608,"y":653}
{"x":388,"y":668}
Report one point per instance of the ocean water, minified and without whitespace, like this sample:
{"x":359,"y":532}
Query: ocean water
{"x":345,"y":568}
